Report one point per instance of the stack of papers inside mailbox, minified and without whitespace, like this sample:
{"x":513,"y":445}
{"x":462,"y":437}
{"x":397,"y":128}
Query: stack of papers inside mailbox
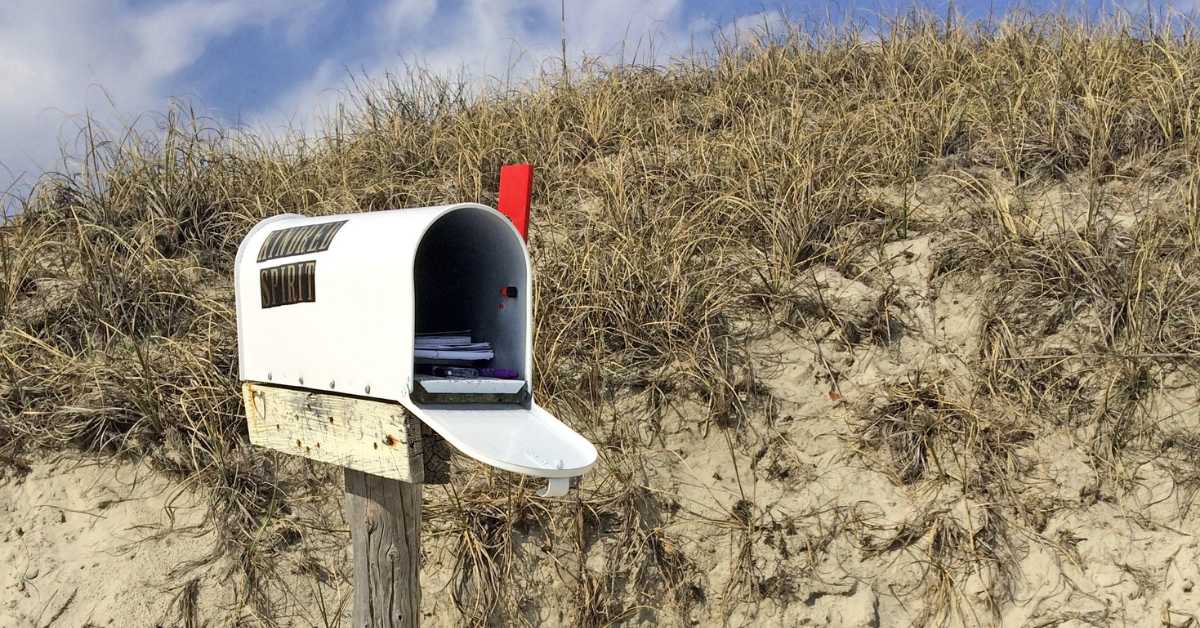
{"x":453,"y":347}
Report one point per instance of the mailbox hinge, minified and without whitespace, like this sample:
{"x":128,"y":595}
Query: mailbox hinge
{"x":555,"y":487}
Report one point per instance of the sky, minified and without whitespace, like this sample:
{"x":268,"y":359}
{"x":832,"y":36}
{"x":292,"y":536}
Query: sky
{"x":276,"y":64}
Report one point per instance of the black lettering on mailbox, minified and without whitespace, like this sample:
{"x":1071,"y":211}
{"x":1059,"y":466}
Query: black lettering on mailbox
{"x":299,"y":240}
{"x":288,"y":284}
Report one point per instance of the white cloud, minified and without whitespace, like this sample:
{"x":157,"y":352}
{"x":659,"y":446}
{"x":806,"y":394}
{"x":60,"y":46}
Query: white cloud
{"x":492,"y":40}
{"x":750,"y":28}
{"x":404,"y":16}
{"x":171,"y":37}
{"x":114,"y":60}
{"x":60,"y":61}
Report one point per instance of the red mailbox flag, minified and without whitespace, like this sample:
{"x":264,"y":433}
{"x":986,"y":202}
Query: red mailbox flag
{"x":516,"y":185}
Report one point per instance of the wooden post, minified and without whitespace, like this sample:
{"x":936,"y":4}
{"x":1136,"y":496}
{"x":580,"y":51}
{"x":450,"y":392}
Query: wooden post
{"x":387,"y":454}
{"x":385,"y":530}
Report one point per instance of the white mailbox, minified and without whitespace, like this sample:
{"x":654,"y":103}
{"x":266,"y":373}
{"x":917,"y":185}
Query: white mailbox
{"x":334,"y":304}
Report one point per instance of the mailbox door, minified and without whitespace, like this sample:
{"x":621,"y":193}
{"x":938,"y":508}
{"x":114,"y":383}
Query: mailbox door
{"x":522,"y":440}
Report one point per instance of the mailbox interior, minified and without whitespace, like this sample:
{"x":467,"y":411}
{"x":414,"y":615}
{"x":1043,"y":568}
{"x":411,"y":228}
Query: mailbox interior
{"x":465,"y":263}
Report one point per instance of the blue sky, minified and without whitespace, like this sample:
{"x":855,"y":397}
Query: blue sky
{"x":277,"y":63}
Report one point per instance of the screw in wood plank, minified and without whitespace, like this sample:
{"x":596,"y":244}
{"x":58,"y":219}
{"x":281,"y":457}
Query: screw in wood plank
{"x":332,"y":384}
{"x":302,"y":381}
{"x":368,"y":389}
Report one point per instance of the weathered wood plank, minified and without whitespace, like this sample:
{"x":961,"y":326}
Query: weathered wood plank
{"x":385,"y":530}
{"x":371,"y":436}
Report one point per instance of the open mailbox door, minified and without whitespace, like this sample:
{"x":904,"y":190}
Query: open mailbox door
{"x":334,"y":304}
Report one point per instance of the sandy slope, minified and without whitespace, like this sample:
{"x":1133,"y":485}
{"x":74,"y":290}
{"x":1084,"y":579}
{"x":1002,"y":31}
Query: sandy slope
{"x":829,"y":537}
{"x":89,"y":542}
